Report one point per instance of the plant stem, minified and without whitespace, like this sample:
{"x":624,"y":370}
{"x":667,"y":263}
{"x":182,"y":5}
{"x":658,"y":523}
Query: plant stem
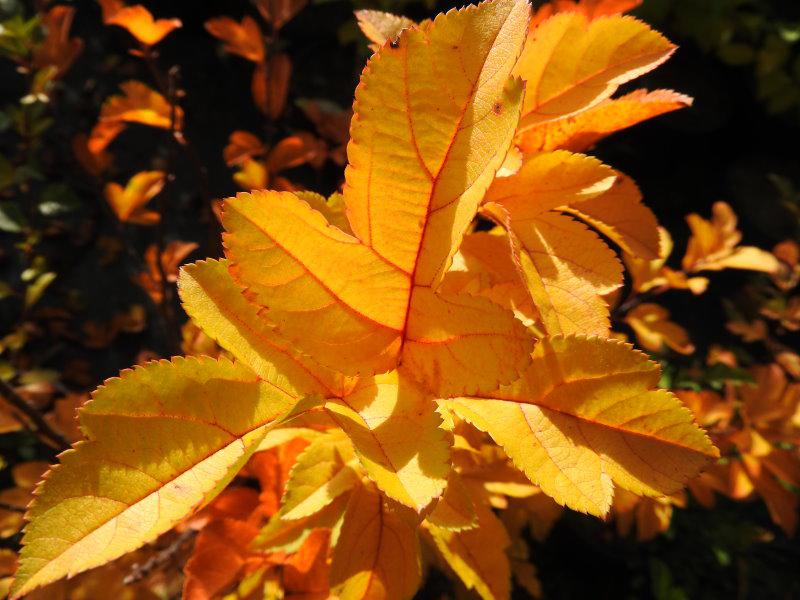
{"x":37,"y":423}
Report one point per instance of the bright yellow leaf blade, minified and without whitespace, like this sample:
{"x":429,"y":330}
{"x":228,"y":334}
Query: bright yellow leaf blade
{"x":567,"y":268}
{"x":478,"y":556}
{"x":377,"y":554}
{"x":571,"y":64}
{"x":620,"y":215}
{"x":217,"y":305}
{"x":457,"y":342}
{"x":581,"y":131}
{"x":380,"y":27}
{"x":549,"y":180}
{"x":434,"y":116}
{"x":381,"y":417}
{"x":162,"y":441}
{"x":454,"y":511}
{"x":587,"y":413}
{"x":320,"y":475}
{"x":320,"y":285}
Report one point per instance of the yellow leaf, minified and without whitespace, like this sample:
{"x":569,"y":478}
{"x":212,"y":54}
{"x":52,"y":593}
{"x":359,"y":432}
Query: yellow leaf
{"x":550,"y":180}
{"x":332,"y":208}
{"x":455,"y":510}
{"x":460,"y":342}
{"x":217,"y":305}
{"x":408,"y":204}
{"x":581,"y":131}
{"x":648,"y":274}
{"x":377,"y":554}
{"x":571,"y":64}
{"x":484,"y":266}
{"x":416,"y":175}
{"x":380,"y":416}
{"x":714,"y":245}
{"x":252,"y":175}
{"x":620,"y":215}
{"x":380,"y":27}
{"x":587,"y":414}
{"x":320,"y":475}
{"x":654,"y":330}
{"x":284,"y":535}
{"x":566,"y":267}
{"x":128,"y":202}
{"x":317,"y":272}
{"x":478,"y":556}
{"x":162,"y":441}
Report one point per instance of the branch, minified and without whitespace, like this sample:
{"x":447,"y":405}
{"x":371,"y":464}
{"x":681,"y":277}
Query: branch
{"x":162,"y":557}
{"x":11,"y":507}
{"x":37,"y":423}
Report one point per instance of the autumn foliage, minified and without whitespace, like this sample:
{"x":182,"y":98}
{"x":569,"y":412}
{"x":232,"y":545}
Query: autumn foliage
{"x":423,"y":370}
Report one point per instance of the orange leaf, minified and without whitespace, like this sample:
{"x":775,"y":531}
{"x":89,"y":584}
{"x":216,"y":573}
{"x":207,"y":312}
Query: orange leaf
{"x":140,"y":23}
{"x":244,"y":39}
{"x":139,"y":104}
{"x":714,"y":245}
{"x":270,"y":85}
{"x":214,"y":301}
{"x":57,"y":49}
{"x":648,"y":274}
{"x":279,"y":12}
{"x":305,"y":573}
{"x":781,"y":502}
{"x":219,"y":555}
{"x":593,"y":9}
{"x":581,"y":131}
{"x":128,"y":202}
{"x":102,"y":134}
{"x":293,"y":151}
{"x":571,"y":64}
{"x":654,"y":330}
{"x":377,"y":553}
{"x":242,"y":145}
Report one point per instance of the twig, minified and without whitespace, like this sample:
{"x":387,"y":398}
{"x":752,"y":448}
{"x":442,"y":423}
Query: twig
{"x":11,"y":507}
{"x":168,"y":314}
{"x":636,"y":299}
{"x":178,"y":135}
{"x":140,"y":571}
{"x":38,"y":425}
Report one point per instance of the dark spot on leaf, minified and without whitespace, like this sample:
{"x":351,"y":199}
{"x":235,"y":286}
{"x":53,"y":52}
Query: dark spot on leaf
{"x":497,"y":108}
{"x":395,"y":43}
